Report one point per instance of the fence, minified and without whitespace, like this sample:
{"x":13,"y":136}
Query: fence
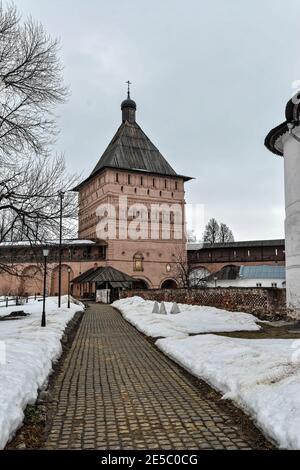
{"x":17,"y":300}
{"x":266,"y":303}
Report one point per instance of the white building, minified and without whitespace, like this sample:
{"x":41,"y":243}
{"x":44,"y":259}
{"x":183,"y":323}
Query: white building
{"x":284,"y":140}
{"x":248,"y":276}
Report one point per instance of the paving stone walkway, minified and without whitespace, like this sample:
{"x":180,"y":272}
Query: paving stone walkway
{"x":115,"y":390}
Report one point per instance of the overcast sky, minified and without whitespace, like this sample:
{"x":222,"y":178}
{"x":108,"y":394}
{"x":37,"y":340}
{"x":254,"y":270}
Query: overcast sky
{"x":210,"y":80}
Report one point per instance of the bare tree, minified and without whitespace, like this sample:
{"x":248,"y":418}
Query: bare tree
{"x":217,"y":233}
{"x":225,"y":234}
{"x":183,"y":272}
{"x":31,"y":85}
{"x":29,"y":202}
{"x":211,"y":233}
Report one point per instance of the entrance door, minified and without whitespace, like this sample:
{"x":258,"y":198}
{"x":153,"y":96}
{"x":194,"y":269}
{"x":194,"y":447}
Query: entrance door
{"x":114,"y":295}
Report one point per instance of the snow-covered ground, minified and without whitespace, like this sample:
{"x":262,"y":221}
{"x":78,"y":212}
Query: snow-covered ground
{"x":261,"y":375}
{"x":27,"y":352}
{"x":192,"y":319}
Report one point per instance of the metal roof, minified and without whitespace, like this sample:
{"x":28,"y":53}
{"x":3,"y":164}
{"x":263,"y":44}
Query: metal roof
{"x":262,"y":272}
{"x":229,"y":273}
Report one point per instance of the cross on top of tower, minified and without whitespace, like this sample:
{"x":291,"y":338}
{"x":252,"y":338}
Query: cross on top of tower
{"x":128,"y":90}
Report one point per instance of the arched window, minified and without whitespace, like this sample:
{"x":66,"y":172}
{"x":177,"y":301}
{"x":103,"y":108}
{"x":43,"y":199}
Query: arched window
{"x":140,"y":284}
{"x":169,"y":284}
{"x":138,"y":261}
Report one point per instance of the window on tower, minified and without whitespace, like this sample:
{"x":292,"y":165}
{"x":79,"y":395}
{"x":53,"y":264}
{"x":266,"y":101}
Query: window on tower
{"x":138,"y":260}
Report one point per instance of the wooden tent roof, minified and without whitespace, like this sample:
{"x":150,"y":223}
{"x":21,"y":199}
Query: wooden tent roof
{"x":104,"y":274}
{"x":130,"y":149}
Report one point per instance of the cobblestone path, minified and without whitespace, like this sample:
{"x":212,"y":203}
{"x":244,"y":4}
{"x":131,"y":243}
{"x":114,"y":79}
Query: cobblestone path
{"x":115,"y":390}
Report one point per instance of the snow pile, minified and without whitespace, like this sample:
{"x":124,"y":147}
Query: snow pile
{"x":29,"y":353}
{"x":261,"y":376}
{"x":192,"y":319}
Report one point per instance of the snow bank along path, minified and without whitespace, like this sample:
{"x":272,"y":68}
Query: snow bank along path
{"x":30,"y":351}
{"x":192,"y":319}
{"x":262,"y":376}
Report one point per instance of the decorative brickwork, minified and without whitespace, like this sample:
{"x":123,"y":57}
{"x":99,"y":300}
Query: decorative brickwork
{"x":265,"y":303}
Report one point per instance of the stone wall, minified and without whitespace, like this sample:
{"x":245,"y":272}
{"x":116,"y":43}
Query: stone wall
{"x":266,"y":303}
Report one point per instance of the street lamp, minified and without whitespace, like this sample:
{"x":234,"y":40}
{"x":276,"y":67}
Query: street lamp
{"x":69,"y":273}
{"x":61,"y":195}
{"x":45,"y":254}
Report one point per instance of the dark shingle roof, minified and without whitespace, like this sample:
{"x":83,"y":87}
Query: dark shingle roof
{"x":242,"y":244}
{"x":104,"y":274}
{"x":226,"y":273}
{"x":131,"y":149}
{"x":273,"y":141}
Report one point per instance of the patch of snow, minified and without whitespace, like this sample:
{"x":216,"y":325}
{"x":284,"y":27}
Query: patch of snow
{"x":47,"y":242}
{"x":29,"y":351}
{"x":192,"y":319}
{"x":262,"y":376}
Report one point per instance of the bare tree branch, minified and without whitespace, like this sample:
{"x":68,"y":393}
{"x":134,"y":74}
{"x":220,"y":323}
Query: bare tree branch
{"x":31,"y":85}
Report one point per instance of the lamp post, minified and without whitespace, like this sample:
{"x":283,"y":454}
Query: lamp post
{"x":61,"y":195}
{"x":45,"y":254}
{"x":69,"y":273}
